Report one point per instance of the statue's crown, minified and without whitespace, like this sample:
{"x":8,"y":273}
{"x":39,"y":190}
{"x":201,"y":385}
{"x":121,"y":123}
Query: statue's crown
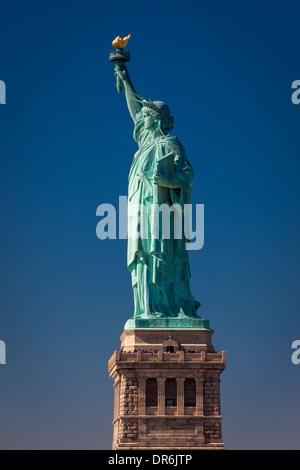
{"x":151,"y":105}
{"x":159,"y":106}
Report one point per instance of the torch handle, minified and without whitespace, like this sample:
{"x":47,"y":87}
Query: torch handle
{"x":120,"y":84}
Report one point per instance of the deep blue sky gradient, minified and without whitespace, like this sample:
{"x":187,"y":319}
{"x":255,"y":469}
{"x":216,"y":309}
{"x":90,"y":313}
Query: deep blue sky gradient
{"x":66,"y":146}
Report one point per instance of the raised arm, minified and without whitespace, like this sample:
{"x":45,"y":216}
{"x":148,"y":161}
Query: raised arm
{"x":134,"y":106}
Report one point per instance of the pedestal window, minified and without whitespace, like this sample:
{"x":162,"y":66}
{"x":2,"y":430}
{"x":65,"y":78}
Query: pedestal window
{"x":189,"y":392}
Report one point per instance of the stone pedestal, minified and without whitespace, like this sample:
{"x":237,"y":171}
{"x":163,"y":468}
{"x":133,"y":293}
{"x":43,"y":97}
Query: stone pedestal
{"x":167,"y":390}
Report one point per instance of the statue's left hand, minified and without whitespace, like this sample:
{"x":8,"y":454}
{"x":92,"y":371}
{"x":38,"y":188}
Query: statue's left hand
{"x":165,"y":181}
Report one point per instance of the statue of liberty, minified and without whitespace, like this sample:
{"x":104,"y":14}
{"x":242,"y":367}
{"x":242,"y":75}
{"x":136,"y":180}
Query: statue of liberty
{"x":159,"y":266}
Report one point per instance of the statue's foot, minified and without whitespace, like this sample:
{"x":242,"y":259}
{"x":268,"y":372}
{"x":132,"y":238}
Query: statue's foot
{"x":150,"y":316}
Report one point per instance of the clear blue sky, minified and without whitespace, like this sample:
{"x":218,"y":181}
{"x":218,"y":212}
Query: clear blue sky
{"x":225,"y":69}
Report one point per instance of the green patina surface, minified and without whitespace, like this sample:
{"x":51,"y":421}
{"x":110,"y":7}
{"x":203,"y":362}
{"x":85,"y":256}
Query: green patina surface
{"x":167,"y":323}
{"x":160,"y":174}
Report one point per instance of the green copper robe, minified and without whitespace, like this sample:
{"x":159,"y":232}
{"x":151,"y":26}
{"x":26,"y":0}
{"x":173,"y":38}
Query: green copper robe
{"x":159,"y":266}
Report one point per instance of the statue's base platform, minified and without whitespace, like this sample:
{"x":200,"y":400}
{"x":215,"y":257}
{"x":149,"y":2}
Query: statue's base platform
{"x":176,"y":323}
{"x":167,"y":339}
{"x":167,"y":389}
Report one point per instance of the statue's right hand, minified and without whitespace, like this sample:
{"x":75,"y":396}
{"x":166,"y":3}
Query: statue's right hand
{"x":122,"y":72}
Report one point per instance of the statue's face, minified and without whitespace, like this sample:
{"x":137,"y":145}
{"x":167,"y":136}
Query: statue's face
{"x":149,"y":120}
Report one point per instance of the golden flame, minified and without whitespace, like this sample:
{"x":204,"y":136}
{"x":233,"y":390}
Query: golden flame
{"x":120,"y":43}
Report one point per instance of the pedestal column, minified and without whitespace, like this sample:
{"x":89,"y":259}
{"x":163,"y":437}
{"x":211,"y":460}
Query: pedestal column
{"x":142,"y":396}
{"x":199,"y":396}
{"x":161,"y":398}
{"x":180,"y":396}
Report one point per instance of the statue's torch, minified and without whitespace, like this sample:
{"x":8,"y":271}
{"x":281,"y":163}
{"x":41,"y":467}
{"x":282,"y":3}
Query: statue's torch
{"x":119,"y":56}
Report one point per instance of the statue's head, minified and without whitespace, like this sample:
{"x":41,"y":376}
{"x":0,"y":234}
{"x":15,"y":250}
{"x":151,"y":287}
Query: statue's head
{"x":157,"y":115}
